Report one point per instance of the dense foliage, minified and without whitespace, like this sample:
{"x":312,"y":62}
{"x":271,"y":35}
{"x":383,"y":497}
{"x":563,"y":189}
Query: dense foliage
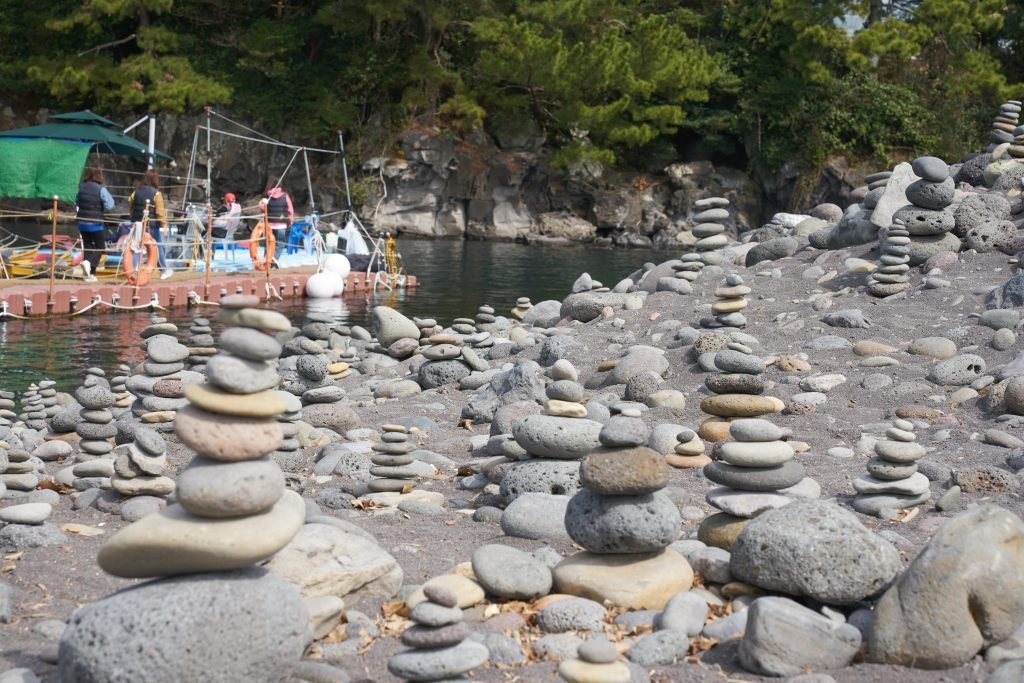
{"x":630,"y":82}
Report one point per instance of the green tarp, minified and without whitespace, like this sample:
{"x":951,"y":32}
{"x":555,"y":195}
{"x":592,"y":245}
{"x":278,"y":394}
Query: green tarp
{"x":39,"y":168}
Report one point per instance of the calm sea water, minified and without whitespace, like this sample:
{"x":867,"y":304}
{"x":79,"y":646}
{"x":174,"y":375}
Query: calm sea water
{"x":455,"y":277}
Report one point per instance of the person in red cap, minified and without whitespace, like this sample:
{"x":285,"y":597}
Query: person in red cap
{"x":226,"y":219}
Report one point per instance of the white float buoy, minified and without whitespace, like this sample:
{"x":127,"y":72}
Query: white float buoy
{"x":337,"y":263}
{"x":324,"y":285}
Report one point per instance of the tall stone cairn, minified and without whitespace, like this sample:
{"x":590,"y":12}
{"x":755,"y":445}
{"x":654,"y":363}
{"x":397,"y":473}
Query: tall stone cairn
{"x":1005,"y":124}
{"x":926,"y":219}
{"x":891,"y":276}
{"x":232,"y":508}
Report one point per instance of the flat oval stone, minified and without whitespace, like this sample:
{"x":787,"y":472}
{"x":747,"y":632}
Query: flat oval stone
{"x":240,"y":376}
{"x":430,"y":637}
{"x":253,"y":317}
{"x":914,"y":485}
{"x":880,"y":468}
{"x":261,"y":404}
{"x":174,"y":541}
{"x":756,"y":454}
{"x":441,"y":352}
{"x":438,"y":664}
{"x":164,"y":348}
{"x":328,"y":394}
{"x":728,"y":360}
{"x":250,"y":344}
{"x":620,"y":472}
{"x":557,"y":437}
{"x":227,"y":437}
{"x":211,"y":488}
{"x":900,"y":451}
{"x":755,"y":478}
{"x":741,"y":405}
{"x":429,"y":613}
{"x":735,"y":383}
{"x":753,"y":430}
{"x":26,"y":513}
{"x":745,"y":503}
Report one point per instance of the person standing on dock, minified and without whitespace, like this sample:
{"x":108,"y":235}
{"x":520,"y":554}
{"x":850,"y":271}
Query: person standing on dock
{"x":93,"y":200}
{"x":148,"y":194}
{"x":279,"y":214}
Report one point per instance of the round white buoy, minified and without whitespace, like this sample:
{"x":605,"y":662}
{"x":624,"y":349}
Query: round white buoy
{"x":338,"y":263}
{"x":324,"y":285}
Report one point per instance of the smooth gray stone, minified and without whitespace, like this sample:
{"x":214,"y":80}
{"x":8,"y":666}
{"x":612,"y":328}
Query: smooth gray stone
{"x":240,"y":376}
{"x":684,"y":612}
{"x":755,"y":478}
{"x":572,"y":614}
{"x":511,"y":573}
{"x":622,"y":524}
{"x":438,"y":664}
{"x":659,"y":648}
{"x":536,"y":516}
{"x":243,"y":625}
{"x":784,"y":638}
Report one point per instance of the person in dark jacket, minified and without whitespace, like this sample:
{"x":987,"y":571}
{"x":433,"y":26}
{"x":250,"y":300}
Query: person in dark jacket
{"x":149,"y":191}
{"x":279,"y":214}
{"x":93,"y":201}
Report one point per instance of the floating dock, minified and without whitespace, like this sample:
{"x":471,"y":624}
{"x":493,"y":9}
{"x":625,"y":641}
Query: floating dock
{"x":31,"y":298}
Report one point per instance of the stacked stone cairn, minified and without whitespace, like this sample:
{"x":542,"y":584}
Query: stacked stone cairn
{"x":48,"y":395}
{"x":1005,"y":124}
{"x":710,"y":232}
{"x":118,"y":384}
{"x":891,"y":276}
{"x":731,"y":300}
{"x":892,"y":481}
{"x":96,"y":424}
{"x":288,"y":455}
{"x":232,"y":508}
{"x":33,"y":410}
{"x":158,"y":388}
{"x":450,"y":356}
{"x":926,"y":219}
{"x":7,"y":414}
{"x":876,"y":183}
{"x":622,"y":520}
{"x":522,"y":307}
{"x":440,"y":649}
{"x":737,"y":388}
{"x":19,"y":471}
{"x":391,"y":461}
{"x":688,"y":452}
{"x":232,"y":513}
{"x":596,"y":660}
{"x":756,"y":473}
{"x":1016,"y":149}
{"x":139,"y":466}
{"x":200,"y":343}
{"x":484,"y":316}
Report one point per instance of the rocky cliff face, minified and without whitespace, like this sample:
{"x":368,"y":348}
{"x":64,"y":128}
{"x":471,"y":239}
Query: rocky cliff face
{"x":438,"y":185}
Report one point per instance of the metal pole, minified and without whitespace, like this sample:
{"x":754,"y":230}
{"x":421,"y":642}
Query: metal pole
{"x":53,"y":252}
{"x":309,"y":183}
{"x":209,"y":247}
{"x":191,"y":169}
{"x":151,"y":158}
{"x":209,"y":160}
{"x":344,"y":170}
{"x":266,"y":246}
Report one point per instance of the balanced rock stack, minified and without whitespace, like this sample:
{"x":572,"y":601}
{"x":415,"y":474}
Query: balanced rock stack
{"x":440,"y":649}
{"x":232,"y":513}
{"x":484,"y":316}
{"x":624,"y":523}
{"x":891,"y":276}
{"x":893,"y":482}
{"x":731,"y":301}
{"x":875,"y":188}
{"x":48,"y":398}
{"x":33,"y":411}
{"x":756,"y":473}
{"x":200,"y":343}
{"x":1005,"y":123}
{"x":710,"y":232}
{"x":288,"y":455}
{"x":925,"y":218}
{"x":449,"y":359}
{"x":19,"y":471}
{"x":7,"y":414}
{"x":96,"y":424}
{"x":428,"y":327}
{"x":597,"y":660}
{"x":118,"y":385}
{"x":232,"y":508}
{"x":139,"y":466}
{"x":737,"y":388}
{"x":688,"y":452}
{"x":391,"y":461}
{"x":158,"y":389}
{"x":1016,"y":149}
{"x":522,"y":307}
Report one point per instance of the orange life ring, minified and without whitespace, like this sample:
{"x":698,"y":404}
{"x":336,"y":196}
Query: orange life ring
{"x":261,"y":234}
{"x":140,"y":276}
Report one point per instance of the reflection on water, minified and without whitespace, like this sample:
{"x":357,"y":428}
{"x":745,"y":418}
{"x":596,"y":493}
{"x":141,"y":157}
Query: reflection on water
{"x":455,"y":278}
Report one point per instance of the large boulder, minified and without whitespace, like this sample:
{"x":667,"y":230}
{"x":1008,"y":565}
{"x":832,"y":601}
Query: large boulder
{"x":635,"y":360}
{"x":895,"y":195}
{"x":245,"y":625}
{"x":977,"y":209}
{"x":545,"y":313}
{"x":390,"y":326}
{"x":816,"y":549}
{"x":962,"y":593}
{"x":784,"y":638}
{"x":522,"y":383}
{"x":324,"y":559}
